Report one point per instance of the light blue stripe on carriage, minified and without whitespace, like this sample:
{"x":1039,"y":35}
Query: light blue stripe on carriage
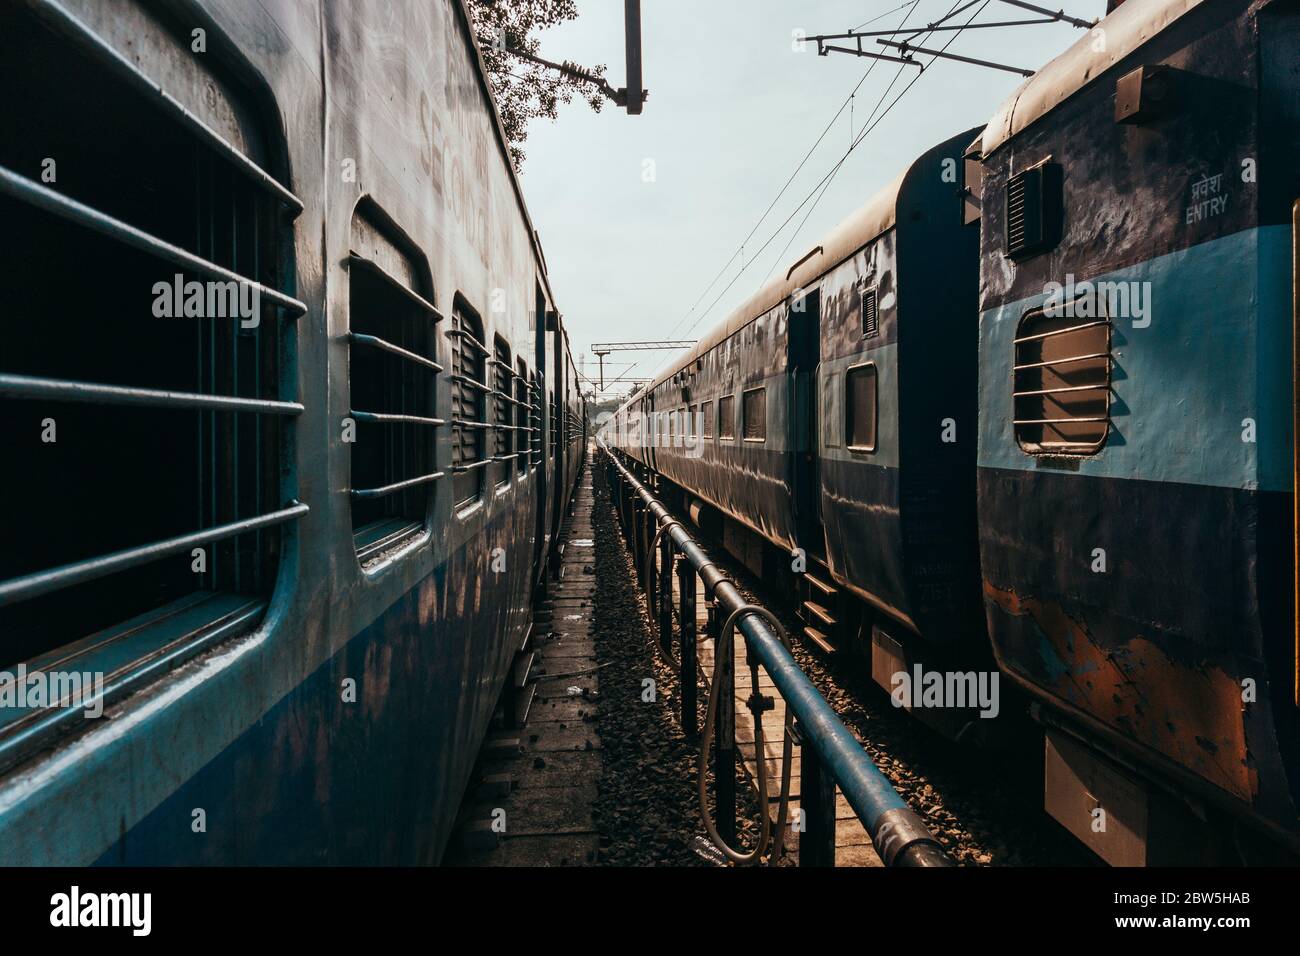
{"x":1217,"y":352}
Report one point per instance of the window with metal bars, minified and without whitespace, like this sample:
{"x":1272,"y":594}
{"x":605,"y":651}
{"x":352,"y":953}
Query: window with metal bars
{"x":469,"y":455}
{"x":753,"y":411}
{"x":502,"y":407}
{"x":1061,"y":383}
{"x":143,"y":374}
{"x":860,"y":384}
{"x":555,"y":421}
{"x":392,"y":377}
{"x":535,"y":423}
{"x":706,"y":419}
{"x":523,"y":424}
{"x":727,"y":417}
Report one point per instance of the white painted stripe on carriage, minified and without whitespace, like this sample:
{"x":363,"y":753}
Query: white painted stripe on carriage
{"x":1218,"y":351}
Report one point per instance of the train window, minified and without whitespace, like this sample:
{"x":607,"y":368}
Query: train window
{"x":555,"y":421}
{"x":391,"y":378}
{"x":753,"y":413}
{"x":535,"y":409}
{"x":692,"y":414}
{"x":523,"y":409}
{"x":870,"y":313}
{"x":147,"y":372}
{"x":1061,"y":383}
{"x":633,"y":428}
{"x":501,"y":405}
{"x":860,"y":383}
{"x":468,"y":404}
{"x":727,"y":417}
{"x":706,"y":419}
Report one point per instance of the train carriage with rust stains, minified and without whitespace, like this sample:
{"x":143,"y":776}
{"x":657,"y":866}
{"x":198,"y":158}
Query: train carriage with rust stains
{"x":1136,"y":479}
{"x":818,"y":428}
{"x":292,"y":422}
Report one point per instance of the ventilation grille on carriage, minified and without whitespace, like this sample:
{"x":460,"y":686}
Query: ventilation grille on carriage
{"x":870,"y":314}
{"x":1034,"y":210}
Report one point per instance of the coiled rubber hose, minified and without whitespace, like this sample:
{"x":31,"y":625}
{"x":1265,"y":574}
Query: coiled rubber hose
{"x":651,"y":599}
{"x":722,"y":651}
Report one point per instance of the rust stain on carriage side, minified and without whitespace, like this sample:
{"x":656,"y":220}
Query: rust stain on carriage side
{"x":1191,"y":714}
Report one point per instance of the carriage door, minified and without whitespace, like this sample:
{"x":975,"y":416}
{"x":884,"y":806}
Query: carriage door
{"x":558,"y":434}
{"x":804,"y":343}
{"x":536,"y":439}
{"x":1295,"y":450}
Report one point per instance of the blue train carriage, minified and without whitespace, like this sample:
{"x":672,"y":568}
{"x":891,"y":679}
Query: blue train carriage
{"x":1135,"y":454}
{"x":273,"y":532}
{"x":895,"y":436}
{"x":827,"y":426}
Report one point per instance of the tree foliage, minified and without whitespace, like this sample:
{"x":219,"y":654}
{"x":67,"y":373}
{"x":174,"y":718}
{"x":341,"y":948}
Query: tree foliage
{"x":526,"y":90}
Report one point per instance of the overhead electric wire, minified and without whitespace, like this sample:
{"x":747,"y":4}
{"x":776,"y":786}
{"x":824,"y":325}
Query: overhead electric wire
{"x":794,"y":235}
{"x":852,"y":143}
{"x":911,"y":5}
{"x":820,"y":189}
{"x":834,"y":169}
{"x":770,"y":206}
{"x":881,"y":16}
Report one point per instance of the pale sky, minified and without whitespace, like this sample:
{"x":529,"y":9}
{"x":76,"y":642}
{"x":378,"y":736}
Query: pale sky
{"x":733,"y":109}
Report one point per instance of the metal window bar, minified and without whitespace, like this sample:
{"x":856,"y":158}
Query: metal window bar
{"x":473,"y":383}
{"x":395,"y":418}
{"x":1061,"y":361}
{"x":1055,"y":332}
{"x":385,"y":490}
{"x":56,"y":579}
{"x":1060,"y":390}
{"x":356,"y":260}
{"x":47,"y":200}
{"x":1059,"y":421}
{"x":56,"y":389}
{"x":358,"y":338}
{"x":467,"y":336}
{"x":67,"y":25}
